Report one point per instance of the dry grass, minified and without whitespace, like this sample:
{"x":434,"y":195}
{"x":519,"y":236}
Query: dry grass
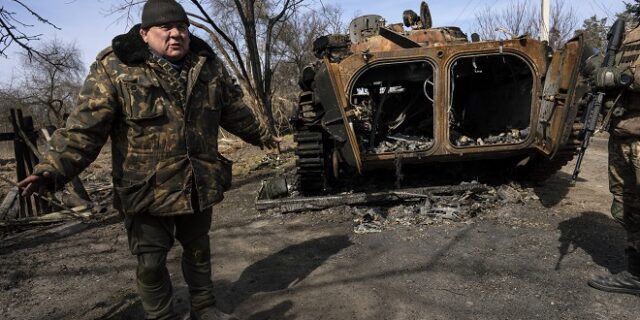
{"x":6,"y":150}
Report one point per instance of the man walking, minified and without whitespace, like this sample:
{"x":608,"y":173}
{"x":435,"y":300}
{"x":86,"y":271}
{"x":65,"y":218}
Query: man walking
{"x":160,"y":94}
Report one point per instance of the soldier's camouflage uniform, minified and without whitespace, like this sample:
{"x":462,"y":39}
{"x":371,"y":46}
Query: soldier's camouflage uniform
{"x":163,"y":124}
{"x":624,"y":169}
{"x":624,"y":151}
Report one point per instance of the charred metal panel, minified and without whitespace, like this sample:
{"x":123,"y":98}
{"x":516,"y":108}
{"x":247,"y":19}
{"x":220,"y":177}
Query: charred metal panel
{"x":577,"y":90}
{"x":333,"y":120}
{"x":559,"y":97}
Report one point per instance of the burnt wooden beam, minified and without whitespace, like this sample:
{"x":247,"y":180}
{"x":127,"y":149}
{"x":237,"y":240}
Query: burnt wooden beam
{"x":398,"y":195}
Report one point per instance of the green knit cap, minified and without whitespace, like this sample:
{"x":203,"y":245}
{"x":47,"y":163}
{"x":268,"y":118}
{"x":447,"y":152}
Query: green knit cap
{"x":159,"y":12}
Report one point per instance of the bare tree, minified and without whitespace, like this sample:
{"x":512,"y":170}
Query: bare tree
{"x":261,"y":22}
{"x":50,"y":85}
{"x":563,"y":24}
{"x":15,"y":30}
{"x":521,"y":17}
{"x":515,"y":19}
{"x":294,"y":51}
{"x":295,"y":43}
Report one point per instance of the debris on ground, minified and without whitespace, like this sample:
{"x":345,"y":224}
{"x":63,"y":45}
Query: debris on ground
{"x":272,"y":161}
{"x":376,"y":210}
{"x":511,"y":136}
{"x":438,"y":209}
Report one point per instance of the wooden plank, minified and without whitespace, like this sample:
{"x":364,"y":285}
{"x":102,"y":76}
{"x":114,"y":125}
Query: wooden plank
{"x":9,"y":204}
{"x":81,"y":213}
{"x":32,"y":159}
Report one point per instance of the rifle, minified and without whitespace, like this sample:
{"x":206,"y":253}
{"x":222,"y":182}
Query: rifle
{"x":614,"y":39}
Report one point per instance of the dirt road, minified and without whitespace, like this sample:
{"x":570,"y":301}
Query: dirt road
{"x":524,"y":261}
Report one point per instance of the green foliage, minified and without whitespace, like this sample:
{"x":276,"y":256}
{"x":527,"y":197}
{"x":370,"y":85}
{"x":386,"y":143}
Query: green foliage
{"x":595,"y":32}
{"x":633,"y":8}
{"x":595,"y":29}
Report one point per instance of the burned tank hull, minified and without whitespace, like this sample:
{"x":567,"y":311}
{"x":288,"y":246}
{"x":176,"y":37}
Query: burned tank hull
{"x":429,"y":95}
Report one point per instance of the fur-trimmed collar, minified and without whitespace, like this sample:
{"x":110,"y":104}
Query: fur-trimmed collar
{"x":130,"y":48}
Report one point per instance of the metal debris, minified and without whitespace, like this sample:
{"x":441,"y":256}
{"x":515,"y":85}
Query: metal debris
{"x":512,"y":136}
{"x":370,"y":222}
{"x":401,"y":142}
{"x":437,"y":209}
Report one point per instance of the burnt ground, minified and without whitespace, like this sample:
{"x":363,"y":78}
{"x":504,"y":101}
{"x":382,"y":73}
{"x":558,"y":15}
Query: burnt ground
{"x":525,"y":259}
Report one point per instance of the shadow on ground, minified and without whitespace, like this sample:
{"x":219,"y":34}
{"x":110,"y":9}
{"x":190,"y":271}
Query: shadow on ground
{"x":48,"y":235}
{"x":278,"y":312}
{"x":278,"y":272}
{"x":598,"y":235}
{"x":554,"y":189}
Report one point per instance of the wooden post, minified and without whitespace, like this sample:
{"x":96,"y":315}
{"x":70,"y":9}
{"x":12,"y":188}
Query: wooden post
{"x":31,"y":158}
{"x":21,"y":173}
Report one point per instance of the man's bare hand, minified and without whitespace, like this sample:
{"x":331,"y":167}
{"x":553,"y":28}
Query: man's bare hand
{"x":35,"y":183}
{"x":272,"y":143}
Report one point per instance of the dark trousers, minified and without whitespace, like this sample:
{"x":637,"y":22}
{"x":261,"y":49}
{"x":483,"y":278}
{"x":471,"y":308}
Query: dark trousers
{"x":150,"y":239}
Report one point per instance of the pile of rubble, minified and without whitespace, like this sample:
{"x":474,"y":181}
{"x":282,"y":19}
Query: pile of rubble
{"x":400,"y":142}
{"x":512,"y":136}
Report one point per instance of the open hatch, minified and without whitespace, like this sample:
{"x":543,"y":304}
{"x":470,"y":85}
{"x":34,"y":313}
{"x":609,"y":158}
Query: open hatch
{"x":490,"y":102}
{"x":393,"y":107}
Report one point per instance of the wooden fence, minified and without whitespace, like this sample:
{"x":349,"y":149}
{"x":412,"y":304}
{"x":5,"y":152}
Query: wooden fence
{"x":24,"y":138}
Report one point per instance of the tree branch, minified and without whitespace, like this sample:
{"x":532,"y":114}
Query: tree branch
{"x":39,"y":17}
{"x":225,"y":37}
{"x":224,"y":52}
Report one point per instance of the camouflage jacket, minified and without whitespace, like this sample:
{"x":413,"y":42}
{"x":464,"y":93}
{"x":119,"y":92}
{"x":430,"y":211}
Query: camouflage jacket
{"x":628,"y":124}
{"x":164,"y":148}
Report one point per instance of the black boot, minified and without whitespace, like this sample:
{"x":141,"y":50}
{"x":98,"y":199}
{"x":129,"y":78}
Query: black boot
{"x":623,"y":282}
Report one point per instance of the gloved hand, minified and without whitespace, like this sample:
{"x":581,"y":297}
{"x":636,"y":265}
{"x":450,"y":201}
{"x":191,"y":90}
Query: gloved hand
{"x":611,"y":78}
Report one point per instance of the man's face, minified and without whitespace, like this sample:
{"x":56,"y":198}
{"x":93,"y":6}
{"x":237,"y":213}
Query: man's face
{"x":170,"y":40}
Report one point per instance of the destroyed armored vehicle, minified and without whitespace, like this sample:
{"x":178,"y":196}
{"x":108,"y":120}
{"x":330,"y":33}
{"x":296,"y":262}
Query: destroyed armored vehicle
{"x":424,"y":95}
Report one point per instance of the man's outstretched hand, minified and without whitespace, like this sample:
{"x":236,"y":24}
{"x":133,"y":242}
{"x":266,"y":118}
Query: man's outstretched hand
{"x":35,"y":183}
{"x":272,"y":143}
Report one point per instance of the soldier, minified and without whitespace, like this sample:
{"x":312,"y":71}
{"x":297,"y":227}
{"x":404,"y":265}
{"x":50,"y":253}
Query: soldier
{"x":160,"y":94}
{"x":624,"y":164}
